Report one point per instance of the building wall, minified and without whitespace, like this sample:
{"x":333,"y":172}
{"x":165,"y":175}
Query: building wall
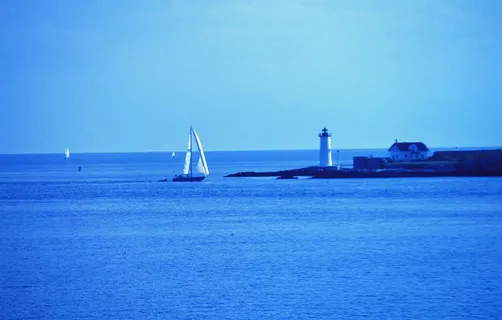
{"x":368,"y":163}
{"x":408,"y":155}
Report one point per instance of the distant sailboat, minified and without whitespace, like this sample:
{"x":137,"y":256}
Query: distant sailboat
{"x":201,"y":167}
{"x":67,"y":153}
{"x":173,"y":155}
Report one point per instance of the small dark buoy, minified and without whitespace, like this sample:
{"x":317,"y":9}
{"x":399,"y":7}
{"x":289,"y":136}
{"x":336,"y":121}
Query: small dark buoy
{"x":79,"y":168}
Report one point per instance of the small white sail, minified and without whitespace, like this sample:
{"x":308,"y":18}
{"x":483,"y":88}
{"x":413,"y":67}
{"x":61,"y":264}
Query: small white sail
{"x":202,"y":159}
{"x":186,"y":168}
{"x":67,"y":153}
{"x":173,"y":155}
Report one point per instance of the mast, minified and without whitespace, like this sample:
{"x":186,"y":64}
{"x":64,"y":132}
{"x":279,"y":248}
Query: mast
{"x":190,"y":168}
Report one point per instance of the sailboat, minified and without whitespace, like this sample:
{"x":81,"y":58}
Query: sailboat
{"x":201,"y":168}
{"x":67,"y":153}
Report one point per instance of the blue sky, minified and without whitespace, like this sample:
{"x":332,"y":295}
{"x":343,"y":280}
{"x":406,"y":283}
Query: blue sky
{"x":111,"y":76}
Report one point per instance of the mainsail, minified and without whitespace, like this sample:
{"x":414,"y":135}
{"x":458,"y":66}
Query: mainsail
{"x":67,"y":153}
{"x":202,"y":164}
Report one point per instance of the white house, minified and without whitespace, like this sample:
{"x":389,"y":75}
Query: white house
{"x":408,"y":151}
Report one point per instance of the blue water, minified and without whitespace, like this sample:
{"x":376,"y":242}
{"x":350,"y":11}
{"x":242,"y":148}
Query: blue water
{"x":110,"y":242}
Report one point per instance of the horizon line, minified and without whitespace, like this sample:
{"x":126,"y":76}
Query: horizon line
{"x":249,"y":150}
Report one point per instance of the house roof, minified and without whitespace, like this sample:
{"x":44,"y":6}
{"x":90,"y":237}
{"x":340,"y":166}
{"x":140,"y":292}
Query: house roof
{"x":404,"y":146}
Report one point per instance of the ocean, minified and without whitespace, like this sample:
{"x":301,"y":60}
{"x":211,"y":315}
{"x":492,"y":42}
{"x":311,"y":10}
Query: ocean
{"x":111,"y":242}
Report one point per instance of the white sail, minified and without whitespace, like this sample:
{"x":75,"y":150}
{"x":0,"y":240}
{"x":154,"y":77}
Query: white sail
{"x":200,"y":167}
{"x":188,"y":156}
{"x":173,"y":155}
{"x":67,"y":153}
{"x":204,"y":169}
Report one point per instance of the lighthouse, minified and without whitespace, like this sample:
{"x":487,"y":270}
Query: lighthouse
{"x":325,"y":148}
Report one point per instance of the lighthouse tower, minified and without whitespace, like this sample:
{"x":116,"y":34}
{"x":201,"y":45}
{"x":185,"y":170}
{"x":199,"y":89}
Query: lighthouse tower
{"x":325,"y":148}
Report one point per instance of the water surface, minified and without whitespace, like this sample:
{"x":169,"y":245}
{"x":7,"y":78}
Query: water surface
{"x":110,"y":242}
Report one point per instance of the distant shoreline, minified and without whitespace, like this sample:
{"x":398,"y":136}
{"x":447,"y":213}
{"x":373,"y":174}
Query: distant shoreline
{"x":383,"y":150}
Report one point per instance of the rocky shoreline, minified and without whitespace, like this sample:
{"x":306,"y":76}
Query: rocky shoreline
{"x":322,"y":173}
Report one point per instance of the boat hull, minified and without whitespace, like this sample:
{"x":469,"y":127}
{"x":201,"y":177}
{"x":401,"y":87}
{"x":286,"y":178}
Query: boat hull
{"x":188,"y":178}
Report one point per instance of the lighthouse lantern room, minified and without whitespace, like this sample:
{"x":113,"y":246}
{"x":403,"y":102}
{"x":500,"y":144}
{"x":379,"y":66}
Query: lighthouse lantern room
{"x":325,"y":148}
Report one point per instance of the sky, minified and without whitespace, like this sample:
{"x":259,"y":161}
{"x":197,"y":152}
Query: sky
{"x":126,"y":76}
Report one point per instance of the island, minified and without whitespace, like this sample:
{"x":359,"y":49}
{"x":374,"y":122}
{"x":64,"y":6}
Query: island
{"x":470,"y":163}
